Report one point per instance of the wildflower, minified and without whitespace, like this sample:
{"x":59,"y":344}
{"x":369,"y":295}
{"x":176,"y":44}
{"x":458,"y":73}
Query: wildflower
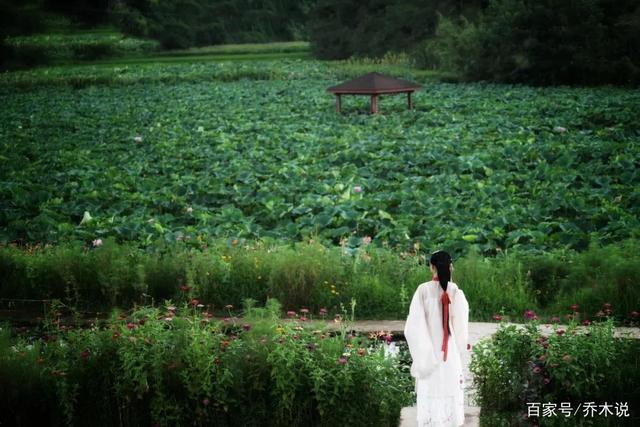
{"x":586,"y":322}
{"x":194,"y":302}
{"x":388,"y":338}
{"x":141,"y":322}
{"x":311,"y":347}
{"x":357,"y":189}
{"x":574,"y":307}
{"x":600,"y":313}
{"x":207,"y":315}
{"x":226,"y":320}
{"x":246,"y":326}
{"x":115,"y":335}
{"x":606,"y":306}
{"x":304,"y":310}
{"x":362,"y":351}
{"x":555,"y":319}
{"x":303,"y":319}
{"x":530,"y":315}
{"x":171,"y":308}
{"x":366,"y":240}
{"x":536,"y":370}
{"x":229,"y":307}
{"x":137,"y":138}
{"x":200,"y":306}
{"x":342,"y":360}
{"x":97,"y":242}
{"x":635,"y":314}
{"x":541,"y":358}
{"x":189,"y":210}
{"x":323,"y":311}
{"x":546,"y":380}
{"x":559,"y":129}
{"x":291,"y":313}
{"x":263,"y":340}
{"x":131,"y":325}
{"x":497,"y":317}
{"x":337,"y":318}
{"x":205,"y":402}
{"x":560,"y":331}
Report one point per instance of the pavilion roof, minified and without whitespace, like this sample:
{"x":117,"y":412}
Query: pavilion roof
{"x":374,"y":83}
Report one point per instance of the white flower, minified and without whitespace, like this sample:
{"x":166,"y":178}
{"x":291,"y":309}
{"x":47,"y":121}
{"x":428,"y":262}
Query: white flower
{"x":97,"y":242}
{"x":559,"y":129}
{"x":189,"y":210}
{"x":357,"y":189}
{"x":137,"y":138}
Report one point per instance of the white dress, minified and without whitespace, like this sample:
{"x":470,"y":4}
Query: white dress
{"x":439,"y":384}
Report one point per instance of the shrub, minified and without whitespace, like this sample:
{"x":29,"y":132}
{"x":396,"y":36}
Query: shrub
{"x":520,"y":365}
{"x":177,"y":366}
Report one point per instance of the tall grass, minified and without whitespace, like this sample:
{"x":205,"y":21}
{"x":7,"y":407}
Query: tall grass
{"x":310,"y":275}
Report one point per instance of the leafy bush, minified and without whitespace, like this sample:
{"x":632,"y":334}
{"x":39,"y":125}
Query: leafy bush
{"x":543,"y":42}
{"x":180,"y":366}
{"x":520,"y":365}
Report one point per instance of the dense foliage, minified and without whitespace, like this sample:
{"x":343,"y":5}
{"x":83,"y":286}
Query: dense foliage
{"x":497,"y":166}
{"x":105,"y":275}
{"x":185,"y":23}
{"x":339,"y":29}
{"x":520,"y":366}
{"x":544,"y":42}
{"x":28,"y":51}
{"x":180,"y":366}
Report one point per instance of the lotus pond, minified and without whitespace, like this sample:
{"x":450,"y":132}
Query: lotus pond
{"x":186,"y":151}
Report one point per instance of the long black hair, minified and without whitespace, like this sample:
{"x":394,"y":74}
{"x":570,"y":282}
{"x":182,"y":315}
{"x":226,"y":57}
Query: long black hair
{"x":441,"y":260}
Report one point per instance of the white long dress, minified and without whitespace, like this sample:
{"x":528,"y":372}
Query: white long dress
{"x":439,"y":384}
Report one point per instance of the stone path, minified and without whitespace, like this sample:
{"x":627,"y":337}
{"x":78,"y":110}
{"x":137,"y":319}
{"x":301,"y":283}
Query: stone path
{"x":477,"y":331}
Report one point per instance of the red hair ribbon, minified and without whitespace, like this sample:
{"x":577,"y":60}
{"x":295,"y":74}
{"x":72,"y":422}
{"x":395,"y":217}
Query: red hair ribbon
{"x":445,"y":320}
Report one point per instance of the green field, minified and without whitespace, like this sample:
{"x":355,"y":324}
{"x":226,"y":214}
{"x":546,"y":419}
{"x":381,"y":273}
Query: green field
{"x":255,"y":148}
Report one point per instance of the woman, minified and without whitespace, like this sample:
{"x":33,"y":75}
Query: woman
{"x":436,"y":332}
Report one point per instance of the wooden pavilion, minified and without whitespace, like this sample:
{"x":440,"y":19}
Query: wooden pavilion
{"x":374,"y":85}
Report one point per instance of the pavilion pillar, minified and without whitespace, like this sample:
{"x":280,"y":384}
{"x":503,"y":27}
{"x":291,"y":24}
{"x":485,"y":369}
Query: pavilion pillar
{"x":374,"y":104}
{"x":409,"y":103}
{"x":338,"y":103}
